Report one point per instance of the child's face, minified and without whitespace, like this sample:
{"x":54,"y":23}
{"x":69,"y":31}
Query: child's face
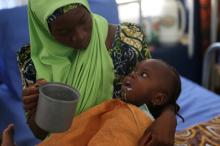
{"x":144,"y":82}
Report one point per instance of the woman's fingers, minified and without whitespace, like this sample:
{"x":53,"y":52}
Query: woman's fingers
{"x":31,"y":95}
{"x":30,"y":107}
{"x":30,"y":90}
{"x":41,"y":82}
{"x":33,"y":89}
{"x":30,"y":98}
{"x":30,"y":102}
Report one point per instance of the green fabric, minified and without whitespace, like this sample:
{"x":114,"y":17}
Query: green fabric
{"x":89,"y":70}
{"x":70,"y":7}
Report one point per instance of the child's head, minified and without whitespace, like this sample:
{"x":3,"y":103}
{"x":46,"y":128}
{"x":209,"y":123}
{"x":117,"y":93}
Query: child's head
{"x":152,"y":82}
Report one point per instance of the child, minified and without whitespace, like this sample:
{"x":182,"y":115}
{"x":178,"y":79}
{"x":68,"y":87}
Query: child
{"x":152,"y":84}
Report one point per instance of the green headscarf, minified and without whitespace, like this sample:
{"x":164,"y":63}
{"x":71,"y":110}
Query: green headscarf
{"x":89,"y":70}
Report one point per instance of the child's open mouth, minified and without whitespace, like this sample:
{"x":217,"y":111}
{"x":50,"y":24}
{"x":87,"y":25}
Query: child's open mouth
{"x":126,"y":88}
{"x":127,"y":85}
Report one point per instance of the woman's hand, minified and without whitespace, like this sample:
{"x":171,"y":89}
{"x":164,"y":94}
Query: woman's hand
{"x":30,"y":97}
{"x":162,"y":130}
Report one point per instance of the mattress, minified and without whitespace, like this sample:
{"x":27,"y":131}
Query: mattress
{"x":197,"y":104}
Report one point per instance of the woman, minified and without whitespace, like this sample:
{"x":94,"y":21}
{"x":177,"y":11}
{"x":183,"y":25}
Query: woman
{"x":69,"y":44}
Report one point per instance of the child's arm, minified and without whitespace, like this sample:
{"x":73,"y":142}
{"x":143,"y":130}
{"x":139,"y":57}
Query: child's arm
{"x":7,"y":138}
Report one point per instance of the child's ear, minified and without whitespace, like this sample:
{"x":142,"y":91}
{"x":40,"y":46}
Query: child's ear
{"x":159,"y":99}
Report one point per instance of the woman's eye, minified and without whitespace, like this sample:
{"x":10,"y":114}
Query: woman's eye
{"x":82,"y":21}
{"x":64,"y":32}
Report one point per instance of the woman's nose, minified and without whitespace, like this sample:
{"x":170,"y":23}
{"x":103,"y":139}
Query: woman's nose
{"x":78,"y":36}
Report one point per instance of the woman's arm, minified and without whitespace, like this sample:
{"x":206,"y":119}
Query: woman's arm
{"x":38,"y":132}
{"x":30,"y":99}
{"x":162,"y":131}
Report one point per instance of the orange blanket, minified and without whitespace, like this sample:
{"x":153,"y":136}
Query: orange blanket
{"x":112,"y":123}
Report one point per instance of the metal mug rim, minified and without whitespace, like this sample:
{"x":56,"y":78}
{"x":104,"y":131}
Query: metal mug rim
{"x":56,"y":100}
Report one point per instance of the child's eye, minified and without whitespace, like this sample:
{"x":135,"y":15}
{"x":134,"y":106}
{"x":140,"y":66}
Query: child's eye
{"x":144,"y":75}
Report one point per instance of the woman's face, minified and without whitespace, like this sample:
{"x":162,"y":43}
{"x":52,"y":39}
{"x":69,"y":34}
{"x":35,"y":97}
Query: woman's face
{"x":73,"y":28}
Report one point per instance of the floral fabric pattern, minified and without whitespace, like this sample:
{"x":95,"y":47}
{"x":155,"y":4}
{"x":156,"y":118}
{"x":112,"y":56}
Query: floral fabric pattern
{"x":129,"y":48}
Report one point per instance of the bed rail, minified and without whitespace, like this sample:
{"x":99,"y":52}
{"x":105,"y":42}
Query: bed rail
{"x":208,"y":63}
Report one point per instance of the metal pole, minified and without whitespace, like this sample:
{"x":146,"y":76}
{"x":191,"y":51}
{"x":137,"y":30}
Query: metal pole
{"x":214,"y":21}
{"x":140,"y":12}
{"x":190,"y":28}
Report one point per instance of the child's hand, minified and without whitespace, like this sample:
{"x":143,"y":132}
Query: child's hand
{"x":8,"y":133}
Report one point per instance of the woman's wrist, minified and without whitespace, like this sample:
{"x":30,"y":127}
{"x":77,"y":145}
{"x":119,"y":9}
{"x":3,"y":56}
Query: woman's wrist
{"x":170,"y":111}
{"x":37,"y":131}
{"x":170,"y":108}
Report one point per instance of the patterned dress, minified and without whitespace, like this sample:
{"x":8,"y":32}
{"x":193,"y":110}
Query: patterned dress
{"x":129,"y":48}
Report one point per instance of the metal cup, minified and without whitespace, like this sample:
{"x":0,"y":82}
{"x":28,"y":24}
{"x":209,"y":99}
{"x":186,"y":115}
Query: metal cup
{"x":56,"y":107}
